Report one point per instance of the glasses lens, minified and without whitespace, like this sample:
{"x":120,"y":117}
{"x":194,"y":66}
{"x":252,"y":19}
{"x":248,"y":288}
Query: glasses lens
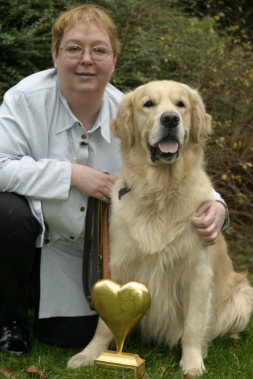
{"x":74,"y":51}
{"x":99,"y":53}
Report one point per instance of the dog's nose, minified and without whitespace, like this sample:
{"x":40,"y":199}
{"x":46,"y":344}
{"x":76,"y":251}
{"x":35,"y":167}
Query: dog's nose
{"x":170,"y":119}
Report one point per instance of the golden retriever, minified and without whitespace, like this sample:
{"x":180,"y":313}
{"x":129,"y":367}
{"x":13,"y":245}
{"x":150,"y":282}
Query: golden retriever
{"x":196,"y":295}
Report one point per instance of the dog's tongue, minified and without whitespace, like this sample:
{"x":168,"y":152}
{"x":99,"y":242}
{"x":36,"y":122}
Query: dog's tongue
{"x":170,"y":146}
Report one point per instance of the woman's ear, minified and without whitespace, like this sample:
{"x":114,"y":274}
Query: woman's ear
{"x":54,"y":56}
{"x":115,"y":61}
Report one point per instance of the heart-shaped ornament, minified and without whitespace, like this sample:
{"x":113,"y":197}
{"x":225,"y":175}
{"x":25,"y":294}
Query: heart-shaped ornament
{"x":120,"y":306}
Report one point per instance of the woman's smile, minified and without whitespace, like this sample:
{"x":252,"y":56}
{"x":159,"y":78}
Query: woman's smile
{"x":84,"y":76}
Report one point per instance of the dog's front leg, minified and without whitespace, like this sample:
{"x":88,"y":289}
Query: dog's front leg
{"x":100,"y":342}
{"x":197,"y":316}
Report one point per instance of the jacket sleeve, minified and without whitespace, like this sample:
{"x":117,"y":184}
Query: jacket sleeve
{"x":226,"y":222}
{"x":24,"y":165}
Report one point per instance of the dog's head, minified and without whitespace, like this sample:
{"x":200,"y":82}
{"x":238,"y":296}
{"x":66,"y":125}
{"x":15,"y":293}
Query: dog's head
{"x":163,"y":117}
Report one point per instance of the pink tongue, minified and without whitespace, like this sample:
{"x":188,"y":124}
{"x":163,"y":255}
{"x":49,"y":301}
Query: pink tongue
{"x":168,"y":146}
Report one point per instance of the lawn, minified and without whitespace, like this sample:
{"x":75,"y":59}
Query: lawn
{"x":226,"y":358}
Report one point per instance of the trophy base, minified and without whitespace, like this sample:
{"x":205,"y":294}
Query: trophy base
{"x":123,"y":360}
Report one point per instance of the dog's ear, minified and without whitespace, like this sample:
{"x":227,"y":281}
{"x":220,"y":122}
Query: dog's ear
{"x":201,"y":121}
{"x":122,"y":125}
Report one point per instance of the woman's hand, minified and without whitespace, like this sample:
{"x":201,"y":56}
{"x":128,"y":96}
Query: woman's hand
{"x":212,"y":216}
{"x":92,"y":182}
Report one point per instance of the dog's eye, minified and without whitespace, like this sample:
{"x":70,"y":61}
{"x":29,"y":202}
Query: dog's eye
{"x":149,"y":104}
{"x":180,"y":104}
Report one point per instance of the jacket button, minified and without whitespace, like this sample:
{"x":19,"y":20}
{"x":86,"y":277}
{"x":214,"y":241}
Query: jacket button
{"x":47,"y":241}
{"x":82,"y":209}
{"x":84,"y":136}
{"x":72,"y":238}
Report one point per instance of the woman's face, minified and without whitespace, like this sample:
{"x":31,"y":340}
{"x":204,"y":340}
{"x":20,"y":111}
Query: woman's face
{"x":85,"y":75}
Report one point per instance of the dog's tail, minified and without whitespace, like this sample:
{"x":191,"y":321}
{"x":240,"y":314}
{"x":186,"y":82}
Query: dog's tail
{"x":233,"y":313}
{"x":232,"y":297}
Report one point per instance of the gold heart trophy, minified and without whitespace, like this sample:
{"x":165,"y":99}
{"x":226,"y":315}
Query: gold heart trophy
{"x":121,"y":307}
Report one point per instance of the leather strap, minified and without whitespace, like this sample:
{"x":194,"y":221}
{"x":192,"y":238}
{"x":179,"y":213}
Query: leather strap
{"x":96,"y":246}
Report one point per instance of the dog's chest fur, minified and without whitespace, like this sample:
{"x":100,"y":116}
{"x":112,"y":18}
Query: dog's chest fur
{"x":153,"y":246}
{"x":167,"y":275}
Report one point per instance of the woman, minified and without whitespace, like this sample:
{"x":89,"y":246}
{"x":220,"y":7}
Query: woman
{"x":55,"y":147}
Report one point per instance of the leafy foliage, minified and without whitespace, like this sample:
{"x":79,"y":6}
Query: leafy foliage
{"x":235,"y":15}
{"x":25,"y":38}
{"x":159,"y":40}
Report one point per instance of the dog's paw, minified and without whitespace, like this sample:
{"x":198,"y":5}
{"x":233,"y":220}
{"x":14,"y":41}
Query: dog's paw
{"x":80,"y":360}
{"x":192,"y":369}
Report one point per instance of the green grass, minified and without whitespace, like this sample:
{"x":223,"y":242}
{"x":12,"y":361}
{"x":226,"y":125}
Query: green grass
{"x":160,"y":362}
{"x":226,"y":358}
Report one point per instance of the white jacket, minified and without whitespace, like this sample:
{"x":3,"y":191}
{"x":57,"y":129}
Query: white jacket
{"x":36,"y":152}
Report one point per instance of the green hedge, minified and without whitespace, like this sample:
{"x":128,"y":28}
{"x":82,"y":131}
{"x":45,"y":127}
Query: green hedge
{"x":160,"y":41}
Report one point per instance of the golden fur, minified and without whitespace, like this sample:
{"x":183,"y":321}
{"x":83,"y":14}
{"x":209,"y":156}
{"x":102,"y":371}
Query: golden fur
{"x":196,"y":295}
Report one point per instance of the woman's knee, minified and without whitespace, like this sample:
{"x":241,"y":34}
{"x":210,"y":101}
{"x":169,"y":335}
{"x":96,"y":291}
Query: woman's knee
{"x":16,"y":218}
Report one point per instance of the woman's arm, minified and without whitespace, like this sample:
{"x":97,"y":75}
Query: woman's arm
{"x":212,"y":219}
{"x":92,"y":182}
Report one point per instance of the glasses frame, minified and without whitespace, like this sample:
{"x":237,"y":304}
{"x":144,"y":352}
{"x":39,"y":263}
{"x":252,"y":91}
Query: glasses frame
{"x":83,"y":51}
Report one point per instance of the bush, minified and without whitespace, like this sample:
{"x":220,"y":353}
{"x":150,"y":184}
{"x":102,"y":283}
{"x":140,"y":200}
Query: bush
{"x":158,"y":41}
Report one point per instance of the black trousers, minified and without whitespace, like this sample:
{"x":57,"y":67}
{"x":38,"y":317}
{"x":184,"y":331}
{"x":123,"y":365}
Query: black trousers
{"x":20,"y":271}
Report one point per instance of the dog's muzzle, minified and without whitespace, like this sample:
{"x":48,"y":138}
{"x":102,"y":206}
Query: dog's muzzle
{"x":167,"y":148}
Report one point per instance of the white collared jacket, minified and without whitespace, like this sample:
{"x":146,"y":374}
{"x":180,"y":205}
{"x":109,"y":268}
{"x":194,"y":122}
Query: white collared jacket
{"x":36,"y":151}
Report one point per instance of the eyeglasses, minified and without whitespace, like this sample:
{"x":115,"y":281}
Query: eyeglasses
{"x":98,"y":53}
